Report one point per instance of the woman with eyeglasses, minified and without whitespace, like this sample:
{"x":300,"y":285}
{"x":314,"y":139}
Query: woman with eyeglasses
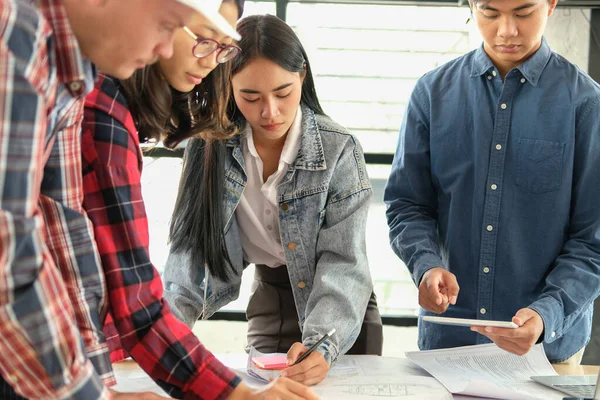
{"x":171,"y":100}
{"x":289,"y":194}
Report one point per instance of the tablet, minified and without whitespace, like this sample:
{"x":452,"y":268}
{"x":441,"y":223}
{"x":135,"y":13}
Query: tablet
{"x":469,"y":322}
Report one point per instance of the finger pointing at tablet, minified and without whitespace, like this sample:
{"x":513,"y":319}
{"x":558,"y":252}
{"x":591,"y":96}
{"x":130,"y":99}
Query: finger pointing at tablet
{"x":437,"y":290}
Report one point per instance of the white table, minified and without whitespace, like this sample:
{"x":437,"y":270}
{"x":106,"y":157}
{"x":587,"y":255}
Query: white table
{"x":388,"y":377}
{"x":406,"y":376}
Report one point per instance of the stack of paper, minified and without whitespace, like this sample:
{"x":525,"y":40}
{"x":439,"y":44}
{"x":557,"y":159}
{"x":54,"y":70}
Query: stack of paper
{"x":262,"y":375}
{"x":488,"y":371}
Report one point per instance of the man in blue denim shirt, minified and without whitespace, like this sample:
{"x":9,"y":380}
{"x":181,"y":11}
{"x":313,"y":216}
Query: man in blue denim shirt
{"x":495,"y":187}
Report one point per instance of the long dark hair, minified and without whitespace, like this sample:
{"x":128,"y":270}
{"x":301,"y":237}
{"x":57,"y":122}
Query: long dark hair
{"x":198,"y":220}
{"x":162,"y":113}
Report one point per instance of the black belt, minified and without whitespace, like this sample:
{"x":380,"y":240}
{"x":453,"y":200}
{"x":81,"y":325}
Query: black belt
{"x":267,"y":274}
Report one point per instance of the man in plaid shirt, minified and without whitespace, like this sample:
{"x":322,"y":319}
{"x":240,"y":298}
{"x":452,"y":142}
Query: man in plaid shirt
{"x":52,"y":290}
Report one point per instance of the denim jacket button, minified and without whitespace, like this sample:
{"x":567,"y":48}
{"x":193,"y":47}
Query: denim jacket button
{"x":301,"y":285}
{"x":292,"y":246}
{"x":284,"y":207}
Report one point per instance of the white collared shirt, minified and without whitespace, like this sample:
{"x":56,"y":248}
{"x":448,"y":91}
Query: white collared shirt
{"x":258,"y":211}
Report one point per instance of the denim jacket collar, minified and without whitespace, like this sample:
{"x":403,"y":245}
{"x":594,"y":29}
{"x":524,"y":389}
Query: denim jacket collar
{"x":531,"y":69}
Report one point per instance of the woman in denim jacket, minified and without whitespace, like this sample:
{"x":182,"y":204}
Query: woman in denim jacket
{"x":289,"y":194}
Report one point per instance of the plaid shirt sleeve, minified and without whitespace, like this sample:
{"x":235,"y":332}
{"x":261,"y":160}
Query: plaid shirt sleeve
{"x":42,"y":354}
{"x":162,"y":345}
{"x":70,"y":239}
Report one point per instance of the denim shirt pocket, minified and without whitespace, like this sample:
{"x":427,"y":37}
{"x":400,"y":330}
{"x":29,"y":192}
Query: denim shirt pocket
{"x":539,"y":165}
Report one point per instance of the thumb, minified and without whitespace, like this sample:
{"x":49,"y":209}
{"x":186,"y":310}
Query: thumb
{"x":433,"y":287}
{"x":449,"y":279}
{"x":522,"y":316}
{"x":294,"y":352}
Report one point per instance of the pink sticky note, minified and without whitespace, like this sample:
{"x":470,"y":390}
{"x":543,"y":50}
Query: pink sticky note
{"x":271,"y":362}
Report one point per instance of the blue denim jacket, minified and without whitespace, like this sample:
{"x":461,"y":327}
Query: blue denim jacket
{"x":323,"y":203}
{"x":499,"y":183}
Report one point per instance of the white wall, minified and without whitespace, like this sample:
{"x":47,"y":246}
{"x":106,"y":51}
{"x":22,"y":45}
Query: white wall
{"x":568,"y":35}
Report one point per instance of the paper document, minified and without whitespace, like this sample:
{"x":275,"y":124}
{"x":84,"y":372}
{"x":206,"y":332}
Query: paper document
{"x":369,"y":377}
{"x":362,"y":377}
{"x":488,"y":371}
{"x":131,"y":378}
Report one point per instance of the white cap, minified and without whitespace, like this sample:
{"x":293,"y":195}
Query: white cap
{"x":210,"y":10}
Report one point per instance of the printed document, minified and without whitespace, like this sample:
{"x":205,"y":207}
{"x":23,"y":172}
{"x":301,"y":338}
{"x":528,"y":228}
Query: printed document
{"x":361,"y":377}
{"x":488,"y":371}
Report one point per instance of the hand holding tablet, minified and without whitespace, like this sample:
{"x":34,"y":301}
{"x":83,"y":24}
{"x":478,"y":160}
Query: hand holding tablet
{"x":469,"y":322}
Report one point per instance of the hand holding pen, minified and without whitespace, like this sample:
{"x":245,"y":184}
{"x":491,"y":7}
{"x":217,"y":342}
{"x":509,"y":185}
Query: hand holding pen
{"x":305,"y":364}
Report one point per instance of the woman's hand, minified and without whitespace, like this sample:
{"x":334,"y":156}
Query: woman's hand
{"x":312,"y":370}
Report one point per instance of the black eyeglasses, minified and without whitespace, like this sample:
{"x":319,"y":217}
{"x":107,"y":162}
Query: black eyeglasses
{"x":205,"y":47}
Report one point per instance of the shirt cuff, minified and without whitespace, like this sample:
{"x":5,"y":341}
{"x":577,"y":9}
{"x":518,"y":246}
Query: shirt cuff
{"x":552,"y":315}
{"x":99,"y":355}
{"x":214,"y":381}
{"x":424,"y":264}
{"x":84,"y":386}
{"x":327,"y":348}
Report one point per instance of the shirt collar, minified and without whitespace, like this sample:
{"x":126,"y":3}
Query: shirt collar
{"x":310,"y":153}
{"x":292,"y":141}
{"x":531,"y":69}
{"x":481,"y":62}
{"x":73,"y":70}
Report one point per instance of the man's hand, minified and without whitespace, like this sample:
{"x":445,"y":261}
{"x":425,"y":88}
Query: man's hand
{"x":518,"y":341}
{"x":437,"y":290}
{"x":279,"y":389}
{"x":135,"y":396}
{"x":312,"y":370}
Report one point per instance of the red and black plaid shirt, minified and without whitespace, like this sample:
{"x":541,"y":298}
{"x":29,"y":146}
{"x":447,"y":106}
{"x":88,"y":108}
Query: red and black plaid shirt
{"x":142,"y":323}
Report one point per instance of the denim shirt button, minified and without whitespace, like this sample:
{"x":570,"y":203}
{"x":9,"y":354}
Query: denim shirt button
{"x":292,"y":246}
{"x":553,"y":334}
{"x":301,"y":285}
{"x":284,"y":206}
{"x":483,"y":311}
